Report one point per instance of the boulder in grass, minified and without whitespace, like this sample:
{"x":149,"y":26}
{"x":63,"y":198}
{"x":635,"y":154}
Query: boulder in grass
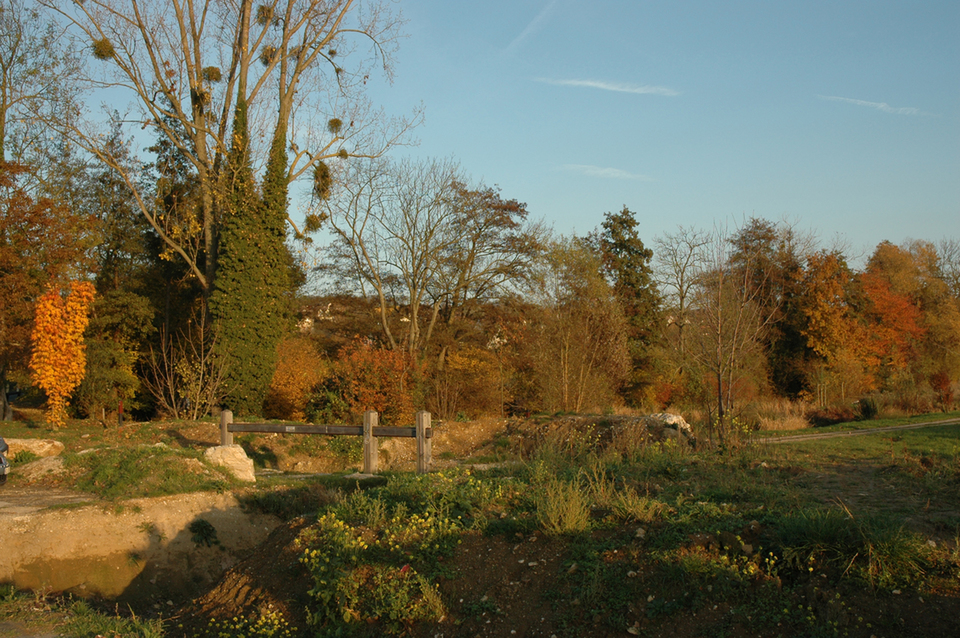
{"x":234,"y":459}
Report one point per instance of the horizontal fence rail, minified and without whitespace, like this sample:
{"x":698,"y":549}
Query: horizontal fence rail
{"x":329,"y":430}
{"x":370,"y":431}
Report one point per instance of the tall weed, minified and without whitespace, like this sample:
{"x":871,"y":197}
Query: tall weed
{"x":562,"y":506}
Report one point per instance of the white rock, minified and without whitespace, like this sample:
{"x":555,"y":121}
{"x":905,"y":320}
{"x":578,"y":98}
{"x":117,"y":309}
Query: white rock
{"x":234,"y":459}
{"x":673,"y":422}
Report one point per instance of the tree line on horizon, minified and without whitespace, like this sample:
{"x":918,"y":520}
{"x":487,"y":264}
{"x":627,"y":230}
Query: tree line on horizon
{"x":433,"y":291}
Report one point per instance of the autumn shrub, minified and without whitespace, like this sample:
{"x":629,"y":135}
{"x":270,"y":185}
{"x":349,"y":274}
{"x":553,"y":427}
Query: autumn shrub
{"x":299,"y":369}
{"x":470,"y":383}
{"x":913,"y":396}
{"x":940,"y":382}
{"x":365,"y":377}
{"x":830,"y":415}
{"x":59,"y":356}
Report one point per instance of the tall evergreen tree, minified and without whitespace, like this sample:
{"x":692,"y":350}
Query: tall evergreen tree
{"x":248,"y":303}
{"x":626,"y":263}
{"x":770,"y":257}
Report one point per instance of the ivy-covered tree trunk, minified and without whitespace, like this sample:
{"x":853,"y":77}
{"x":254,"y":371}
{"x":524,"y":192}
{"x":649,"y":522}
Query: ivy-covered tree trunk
{"x":248,"y":303}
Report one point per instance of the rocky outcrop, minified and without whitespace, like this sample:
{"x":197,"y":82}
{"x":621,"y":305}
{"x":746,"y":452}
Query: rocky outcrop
{"x":38,"y":447}
{"x":36,"y":470}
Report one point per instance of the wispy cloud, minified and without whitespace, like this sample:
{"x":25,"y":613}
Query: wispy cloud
{"x":880,"y":106}
{"x":530,"y":29}
{"x":605,"y":173}
{"x":620,"y":87}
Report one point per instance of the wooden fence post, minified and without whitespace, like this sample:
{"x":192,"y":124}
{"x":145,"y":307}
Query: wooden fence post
{"x":370,"y":453}
{"x":424,"y":444}
{"x":226,"y":418}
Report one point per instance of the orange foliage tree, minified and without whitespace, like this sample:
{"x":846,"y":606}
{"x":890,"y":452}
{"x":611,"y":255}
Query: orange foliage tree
{"x":894,"y":321}
{"x":831,"y":329}
{"x":59,"y":358}
{"x":365,"y":377}
{"x":41,"y":241}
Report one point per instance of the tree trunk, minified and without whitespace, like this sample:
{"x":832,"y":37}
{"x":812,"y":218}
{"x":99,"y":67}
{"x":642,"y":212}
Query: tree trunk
{"x":6,"y":410}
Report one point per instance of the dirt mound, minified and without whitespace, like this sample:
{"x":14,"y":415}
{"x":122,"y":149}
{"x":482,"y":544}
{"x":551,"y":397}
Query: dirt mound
{"x":599,"y":432}
{"x":269,"y":578}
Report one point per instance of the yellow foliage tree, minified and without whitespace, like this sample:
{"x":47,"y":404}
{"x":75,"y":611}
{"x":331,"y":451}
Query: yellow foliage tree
{"x":299,"y":368}
{"x":469,"y":384}
{"x":59,"y":357}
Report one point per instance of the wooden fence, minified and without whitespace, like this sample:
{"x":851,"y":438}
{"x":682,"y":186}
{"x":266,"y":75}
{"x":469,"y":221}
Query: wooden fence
{"x":370,"y":431}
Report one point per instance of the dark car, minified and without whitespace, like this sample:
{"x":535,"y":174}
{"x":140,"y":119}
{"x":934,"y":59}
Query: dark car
{"x":4,"y":465}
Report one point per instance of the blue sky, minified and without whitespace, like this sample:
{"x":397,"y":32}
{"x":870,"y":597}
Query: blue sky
{"x":841,"y":117}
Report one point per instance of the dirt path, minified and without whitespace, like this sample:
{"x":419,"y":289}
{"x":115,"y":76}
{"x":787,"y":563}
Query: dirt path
{"x":835,"y":435}
{"x":21,"y":501}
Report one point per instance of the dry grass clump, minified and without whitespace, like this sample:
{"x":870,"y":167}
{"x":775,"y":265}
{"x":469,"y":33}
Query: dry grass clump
{"x":782,"y":414}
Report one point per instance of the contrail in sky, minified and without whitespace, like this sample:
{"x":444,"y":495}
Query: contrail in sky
{"x":642,"y":89}
{"x":880,"y":106}
{"x":607,"y":173}
{"x":530,"y":28}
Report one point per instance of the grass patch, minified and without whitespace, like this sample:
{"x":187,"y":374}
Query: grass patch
{"x":84,"y":620}
{"x":288,"y":501}
{"x":145,"y":471}
{"x":876,"y":549}
{"x":75,"y":618}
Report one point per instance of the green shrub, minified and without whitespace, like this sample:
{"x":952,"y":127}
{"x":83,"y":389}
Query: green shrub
{"x":24,"y":456}
{"x":868,"y":409}
{"x":363,"y":575}
{"x":349,"y":448}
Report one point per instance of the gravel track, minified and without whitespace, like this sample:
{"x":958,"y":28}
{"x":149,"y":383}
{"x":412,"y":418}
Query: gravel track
{"x":835,"y":435}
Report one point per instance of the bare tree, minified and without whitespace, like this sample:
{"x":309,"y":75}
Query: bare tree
{"x":394,"y":223}
{"x":948,"y":263}
{"x":495,"y":247}
{"x":428,"y":247}
{"x":186,"y":376}
{"x":677,"y":260}
{"x":38,"y":69}
{"x":729,"y":317}
{"x":301,"y":65}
